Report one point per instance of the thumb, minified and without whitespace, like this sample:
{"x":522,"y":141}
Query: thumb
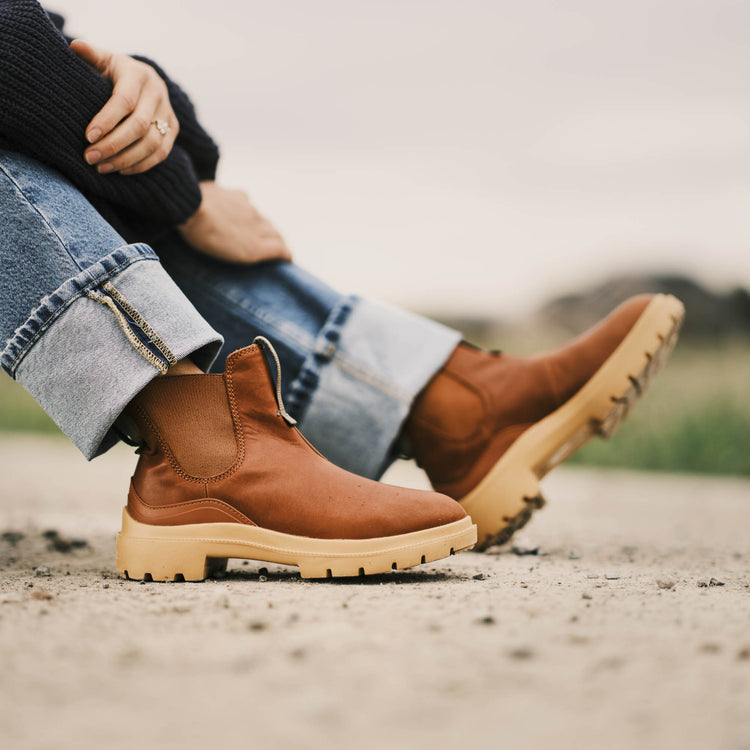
{"x":97,"y":58}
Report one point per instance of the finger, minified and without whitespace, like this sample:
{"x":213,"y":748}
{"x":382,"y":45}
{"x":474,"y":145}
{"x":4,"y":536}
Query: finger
{"x":137,"y":152}
{"x":94,"y":56}
{"x":135,"y":127}
{"x":124,"y":100}
{"x":162,"y":151}
{"x":273,"y":248}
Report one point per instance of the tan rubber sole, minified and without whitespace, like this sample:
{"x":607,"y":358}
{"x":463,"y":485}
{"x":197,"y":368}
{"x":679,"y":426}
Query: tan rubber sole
{"x":193,"y":552}
{"x":506,"y":498}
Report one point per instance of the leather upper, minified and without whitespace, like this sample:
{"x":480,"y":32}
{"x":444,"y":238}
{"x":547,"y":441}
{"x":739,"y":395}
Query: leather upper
{"x":217,"y":450}
{"x":480,"y":403}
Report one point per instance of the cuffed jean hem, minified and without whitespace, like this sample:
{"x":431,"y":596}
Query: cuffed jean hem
{"x":354,"y":391}
{"x":100,"y":338}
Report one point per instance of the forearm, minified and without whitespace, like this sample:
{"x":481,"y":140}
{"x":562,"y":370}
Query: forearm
{"x":49,"y":96}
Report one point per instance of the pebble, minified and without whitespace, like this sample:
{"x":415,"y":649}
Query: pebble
{"x":42,"y":596}
{"x":744,"y":654}
{"x":257,"y":625}
{"x":574,"y":555}
{"x":523,"y":547}
{"x":665,"y":583}
{"x":712,"y":582}
{"x":262,"y":579}
{"x":611,"y":577}
{"x":586,"y":596}
{"x":42,"y":571}
{"x":521,"y":654}
{"x":486,"y":619}
{"x":12,"y":537}
{"x":479,"y":577}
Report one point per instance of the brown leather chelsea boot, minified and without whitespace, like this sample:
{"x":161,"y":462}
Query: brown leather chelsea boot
{"x":224,"y":473}
{"x":489,"y":426}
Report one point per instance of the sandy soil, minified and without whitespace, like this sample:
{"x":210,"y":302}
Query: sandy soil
{"x":629,"y":627}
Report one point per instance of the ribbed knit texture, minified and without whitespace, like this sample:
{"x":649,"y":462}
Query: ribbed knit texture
{"x":193,"y":417}
{"x":48,"y":96}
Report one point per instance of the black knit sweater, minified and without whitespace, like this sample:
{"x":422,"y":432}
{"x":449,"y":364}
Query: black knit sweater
{"x":48,"y":96}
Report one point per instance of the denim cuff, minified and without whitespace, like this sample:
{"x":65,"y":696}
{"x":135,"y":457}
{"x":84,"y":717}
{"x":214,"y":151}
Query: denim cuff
{"x":100,"y":338}
{"x":356,"y":388}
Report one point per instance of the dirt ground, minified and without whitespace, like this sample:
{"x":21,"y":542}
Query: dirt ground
{"x":625,"y":623}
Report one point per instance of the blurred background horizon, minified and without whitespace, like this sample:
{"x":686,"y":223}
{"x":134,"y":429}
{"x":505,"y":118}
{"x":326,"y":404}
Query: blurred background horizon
{"x":474,"y":157}
{"x":512,"y":168}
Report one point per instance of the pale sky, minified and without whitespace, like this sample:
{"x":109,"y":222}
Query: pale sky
{"x":472,"y":156}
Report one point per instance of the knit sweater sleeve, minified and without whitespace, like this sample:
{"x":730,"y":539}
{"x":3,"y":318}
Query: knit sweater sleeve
{"x":49,"y":95}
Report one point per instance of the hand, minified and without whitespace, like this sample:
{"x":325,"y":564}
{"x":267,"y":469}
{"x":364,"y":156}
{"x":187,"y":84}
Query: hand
{"x":227,"y":226}
{"x":123,"y":135}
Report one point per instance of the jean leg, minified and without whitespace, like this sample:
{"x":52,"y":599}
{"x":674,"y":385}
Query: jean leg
{"x":86,"y":320}
{"x":352,"y":367}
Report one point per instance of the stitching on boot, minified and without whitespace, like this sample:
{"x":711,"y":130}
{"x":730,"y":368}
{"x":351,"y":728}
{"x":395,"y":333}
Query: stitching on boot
{"x":212,"y":502}
{"x":175,"y":464}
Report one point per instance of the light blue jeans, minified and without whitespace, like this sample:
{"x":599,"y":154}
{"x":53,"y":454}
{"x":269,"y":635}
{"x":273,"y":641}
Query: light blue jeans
{"x":87,"y":321}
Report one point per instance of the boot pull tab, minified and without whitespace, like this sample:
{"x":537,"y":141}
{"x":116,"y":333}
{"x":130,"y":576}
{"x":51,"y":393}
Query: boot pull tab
{"x":263,"y":342}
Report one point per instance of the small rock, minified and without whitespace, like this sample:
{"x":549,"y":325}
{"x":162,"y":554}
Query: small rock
{"x":479,"y":577}
{"x":12,"y":537}
{"x":611,"y":577}
{"x":257,"y":625}
{"x":702,"y":584}
{"x":262,"y":579}
{"x":586,"y":596}
{"x":666,"y":583}
{"x":574,"y":555}
{"x":486,"y":619}
{"x":744,"y":654}
{"x":28,"y":585}
{"x":57,"y":542}
{"x":523,"y":547}
{"x":42,"y":596}
{"x":42,"y":571}
{"x":715,"y":582}
{"x":105,"y":586}
{"x":521,"y":654}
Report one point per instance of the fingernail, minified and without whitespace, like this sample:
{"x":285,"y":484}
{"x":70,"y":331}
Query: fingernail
{"x":105,"y":168}
{"x":92,"y":156}
{"x":94,"y":135}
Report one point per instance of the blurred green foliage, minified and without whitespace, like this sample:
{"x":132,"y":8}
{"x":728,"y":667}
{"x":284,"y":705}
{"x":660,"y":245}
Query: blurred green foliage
{"x":694,"y":418}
